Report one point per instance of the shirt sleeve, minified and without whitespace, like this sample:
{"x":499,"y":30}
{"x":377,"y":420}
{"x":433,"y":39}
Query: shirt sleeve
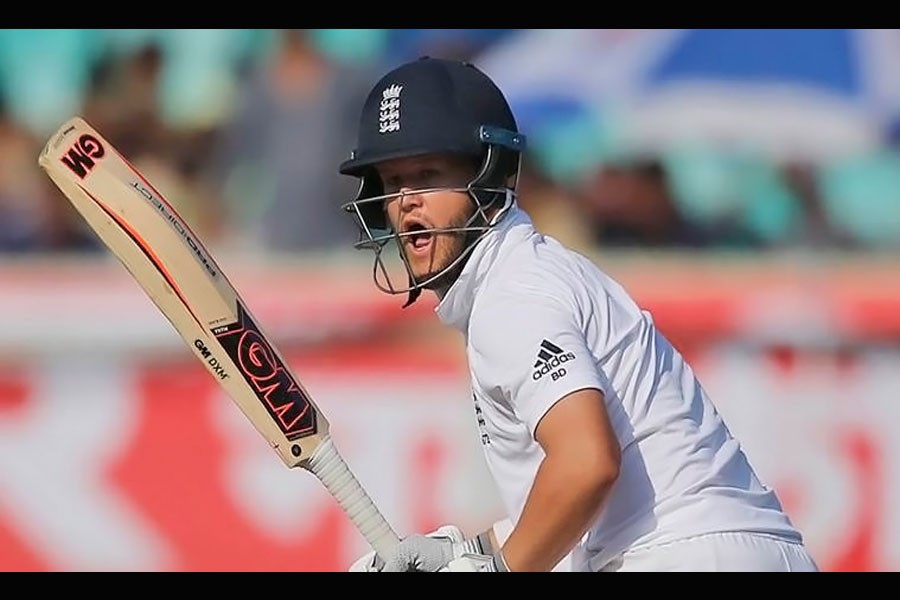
{"x":531,"y":353}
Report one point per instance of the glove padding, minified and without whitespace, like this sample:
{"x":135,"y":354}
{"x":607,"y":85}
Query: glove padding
{"x":470,"y":563}
{"x":445,"y":550}
{"x":442,"y":550}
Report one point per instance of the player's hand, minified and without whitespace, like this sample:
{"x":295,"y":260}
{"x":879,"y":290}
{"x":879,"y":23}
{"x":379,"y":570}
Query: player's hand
{"x":471,"y":563}
{"x":372,"y":563}
{"x":444,"y":550}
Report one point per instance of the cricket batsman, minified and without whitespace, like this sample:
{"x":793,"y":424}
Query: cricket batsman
{"x":606,"y":450}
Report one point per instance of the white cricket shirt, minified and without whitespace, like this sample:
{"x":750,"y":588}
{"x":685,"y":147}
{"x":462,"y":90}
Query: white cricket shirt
{"x":540,"y":322}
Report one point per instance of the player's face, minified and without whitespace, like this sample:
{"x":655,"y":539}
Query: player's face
{"x":415,"y":209}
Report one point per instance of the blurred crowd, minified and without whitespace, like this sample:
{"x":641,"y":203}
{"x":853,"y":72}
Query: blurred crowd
{"x":243,"y":131}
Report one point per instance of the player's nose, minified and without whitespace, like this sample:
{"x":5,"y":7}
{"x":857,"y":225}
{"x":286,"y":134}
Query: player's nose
{"x":410,"y":199}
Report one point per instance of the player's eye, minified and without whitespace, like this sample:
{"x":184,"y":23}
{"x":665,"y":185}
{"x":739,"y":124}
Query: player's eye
{"x":423,"y":178}
{"x":429,"y":176}
{"x":392,"y":185}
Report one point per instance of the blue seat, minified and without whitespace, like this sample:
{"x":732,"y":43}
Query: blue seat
{"x":199,"y":81}
{"x":44,"y":73}
{"x":718,"y":188}
{"x":862,"y":195}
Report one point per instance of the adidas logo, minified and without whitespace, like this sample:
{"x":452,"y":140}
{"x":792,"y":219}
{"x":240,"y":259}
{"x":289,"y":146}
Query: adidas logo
{"x":550,"y":359}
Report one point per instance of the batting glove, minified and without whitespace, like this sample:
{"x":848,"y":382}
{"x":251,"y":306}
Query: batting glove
{"x":372,"y":563}
{"x":465,"y":555}
{"x":444,"y":550}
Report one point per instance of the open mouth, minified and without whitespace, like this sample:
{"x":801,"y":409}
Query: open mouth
{"x":417,"y":237}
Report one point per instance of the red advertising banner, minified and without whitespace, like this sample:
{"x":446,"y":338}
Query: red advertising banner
{"x":119,"y":453}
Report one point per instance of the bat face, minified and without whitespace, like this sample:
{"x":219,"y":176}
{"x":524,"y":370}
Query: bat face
{"x":170,"y":263}
{"x":176,"y":271}
{"x":264,"y":372}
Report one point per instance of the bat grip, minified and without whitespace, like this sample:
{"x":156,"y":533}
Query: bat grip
{"x":329,"y":466}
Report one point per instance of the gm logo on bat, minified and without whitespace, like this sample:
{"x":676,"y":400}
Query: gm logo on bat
{"x":80,"y":157}
{"x":271,"y":381}
{"x":217,"y":367}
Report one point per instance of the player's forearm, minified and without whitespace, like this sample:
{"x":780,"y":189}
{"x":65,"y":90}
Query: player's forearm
{"x":566,"y":497}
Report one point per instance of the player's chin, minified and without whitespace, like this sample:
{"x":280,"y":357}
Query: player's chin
{"x":427,"y":270}
{"x":422,"y":265}
{"x":424,"y":275}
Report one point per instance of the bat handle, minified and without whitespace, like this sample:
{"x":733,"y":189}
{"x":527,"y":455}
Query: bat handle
{"x":329,"y":466}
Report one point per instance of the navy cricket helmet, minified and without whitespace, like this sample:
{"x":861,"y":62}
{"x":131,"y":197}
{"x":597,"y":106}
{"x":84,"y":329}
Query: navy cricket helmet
{"x":431,"y":105}
{"x":434,"y":106}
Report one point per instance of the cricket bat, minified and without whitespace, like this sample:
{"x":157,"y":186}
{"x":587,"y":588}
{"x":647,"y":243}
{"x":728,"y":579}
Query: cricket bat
{"x":180,"y":276}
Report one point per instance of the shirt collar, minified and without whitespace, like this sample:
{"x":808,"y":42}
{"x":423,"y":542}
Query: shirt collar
{"x":455,"y":308}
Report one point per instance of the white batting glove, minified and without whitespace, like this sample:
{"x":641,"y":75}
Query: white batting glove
{"x":372,"y":563}
{"x":444,"y":550}
{"x":446,"y":547}
{"x":471,"y":563}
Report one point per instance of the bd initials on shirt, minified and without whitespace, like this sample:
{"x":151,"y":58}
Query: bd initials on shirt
{"x":551,"y":356}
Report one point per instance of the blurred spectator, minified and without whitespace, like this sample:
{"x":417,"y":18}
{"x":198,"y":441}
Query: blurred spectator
{"x":34,"y":215}
{"x":20,"y":217}
{"x":242,"y":129}
{"x":276,"y":160}
{"x":197,"y":74}
{"x":748,"y":199}
{"x":553,"y":208}
{"x":815,"y":229}
{"x":124,"y":102}
{"x":630,"y":204}
{"x":62,"y":230}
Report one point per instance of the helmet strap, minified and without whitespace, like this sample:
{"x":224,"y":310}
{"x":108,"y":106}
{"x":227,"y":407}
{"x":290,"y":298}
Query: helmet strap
{"x":413,"y":295}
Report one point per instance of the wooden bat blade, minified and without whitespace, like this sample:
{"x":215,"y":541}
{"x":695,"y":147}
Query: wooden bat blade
{"x":172,"y":266}
{"x":174,"y":269}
